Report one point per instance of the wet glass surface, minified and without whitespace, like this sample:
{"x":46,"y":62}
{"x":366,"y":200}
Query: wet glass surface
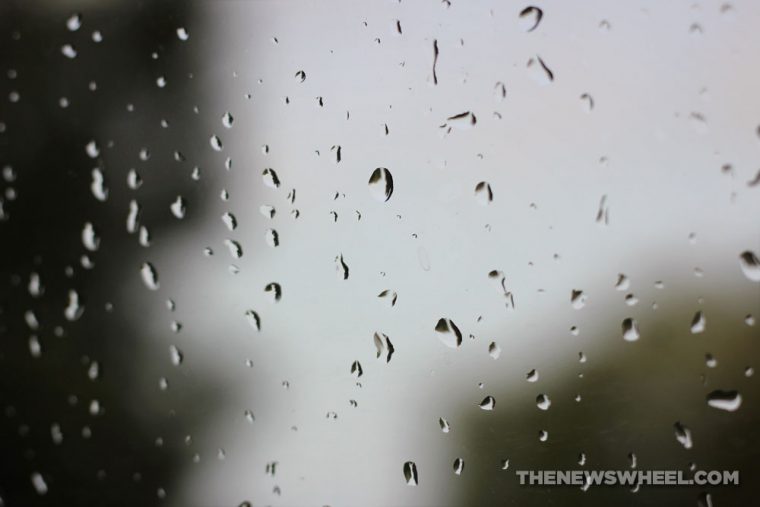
{"x":382,"y":253}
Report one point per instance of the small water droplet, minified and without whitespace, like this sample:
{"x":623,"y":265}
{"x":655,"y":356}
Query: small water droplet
{"x":236,"y":251}
{"x":341,"y":267}
{"x":149,"y":276}
{"x":698,"y":323}
{"x":300,"y":76}
{"x":410,"y":473}
{"x":270,"y":178}
{"x":74,"y":22}
{"x":461,"y":121}
{"x":530,"y":17}
{"x":98,"y":185}
{"x":750,"y":265}
{"x":182,"y":33}
{"x":179,"y":207}
{"x":272,"y":238}
{"x":227,"y":120}
{"x":483,"y":193}
{"x":68,"y":51}
{"x":630,"y":330}
{"x":448,"y":333}
{"x":444,"y":424}
{"x":253,"y":319}
{"x":683,"y":435}
{"x":39,"y":484}
{"x":494,"y":350}
{"x":543,"y":436}
{"x":458,"y":466}
{"x":90,"y":238}
{"x":175,"y":355}
{"x":74,"y":309}
{"x":539,"y":71}
{"x":578,"y":299}
{"x":488,"y":403}
{"x":216,"y":143}
{"x":381,"y":184}
{"x":543,"y":402}
{"x":532,"y":375}
{"x":274,"y":291}
{"x":383,"y":343}
{"x":356,"y":369}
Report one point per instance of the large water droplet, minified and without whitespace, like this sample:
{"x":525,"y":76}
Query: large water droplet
{"x":381,"y":184}
{"x":729,"y":401}
{"x":383,"y":343}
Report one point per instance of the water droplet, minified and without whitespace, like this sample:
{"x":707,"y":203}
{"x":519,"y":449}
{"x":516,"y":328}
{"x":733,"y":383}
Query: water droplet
{"x":74,"y":309}
{"x":448,"y":333}
{"x":500,"y":91}
{"x":488,"y":403}
{"x":494,"y":350}
{"x":698,"y":323}
{"x":444,"y":425}
{"x":216,"y":143}
{"x":389,"y":296}
{"x":539,"y":71}
{"x":729,"y":401}
{"x":383,"y":343}
{"x":578,"y":299}
{"x":750,"y":265}
{"x":267,"y":211}
{"x":381,"y":184}
{"x":133,"y":217}
{"x":36,"y":289}
{"x":149,"y":276}
{"x":68,"y":51}
{"x":483,"y":193}
{"x":543,"y":402}
{"x":356,"y":369}
{"x":532,"y":375}
{"x":410,"y":473}
{"x":179,"y":207}
{"x":630,"y":330}
{"x":236,"y":251}
{"x":90,"y":239}
{"x":270,"y":178}
{"x":530,"y":17}
{"x":176,"y":355}
{"x":134,"y":181}
{"x":253,"y":319}
{"x":623,"y":282}
{"x":683,"y":435}
{"x":341,"y":267}
{"x":461,"y":121}
{"x":603,"y":213}
{"x":98,"y":185}
{"x":300,"y":76}
{"x":458,"y":466}
{"x":274,"y":291}
{"x":39,"y":484}
{"x":227,"y":120}
{"x":272,"y":238}
{"x":74,"y":22}
{"x":588,"y":102}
